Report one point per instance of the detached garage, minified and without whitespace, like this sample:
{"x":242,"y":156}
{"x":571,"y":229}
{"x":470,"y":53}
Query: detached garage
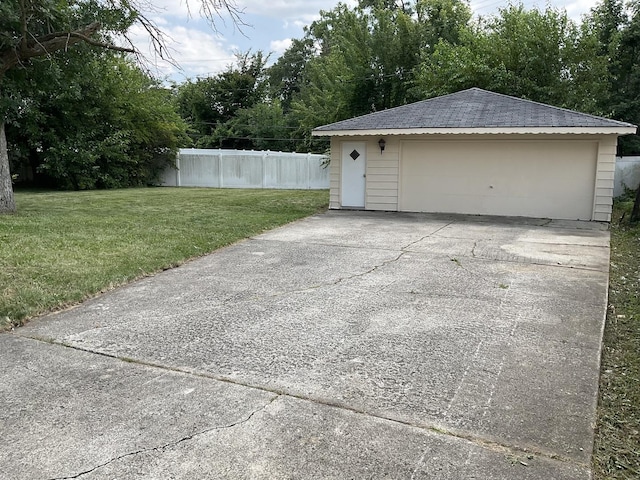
{"x":476,"y":152}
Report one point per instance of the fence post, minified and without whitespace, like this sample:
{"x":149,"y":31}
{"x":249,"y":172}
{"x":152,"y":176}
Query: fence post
{"x":264,"y":168}
{"x":220,"y":174}
{"x":178,"y":178}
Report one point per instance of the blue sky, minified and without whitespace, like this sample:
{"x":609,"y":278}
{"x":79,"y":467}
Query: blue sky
{"x":270,"y":26}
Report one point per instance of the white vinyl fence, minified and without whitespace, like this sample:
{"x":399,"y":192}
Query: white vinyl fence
{"x":247,"y":169}
{"x":627,"y":174}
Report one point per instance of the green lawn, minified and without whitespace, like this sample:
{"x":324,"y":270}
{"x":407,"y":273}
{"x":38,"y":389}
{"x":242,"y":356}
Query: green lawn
{"x":617,"y":445}
{"x":63,"y":247}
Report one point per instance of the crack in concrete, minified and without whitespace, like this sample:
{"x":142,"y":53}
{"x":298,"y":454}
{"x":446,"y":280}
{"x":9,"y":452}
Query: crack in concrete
{"x":316,"y":286}
{"x":419,"y":464}
{"x":171,"y":444}
{"x":371,"y":270}
{"x":339,"y":279}
{"x":476,"y":274}
{"x":427,"y":236}
{"x":403,"y":251}
{"x":232,"y":299}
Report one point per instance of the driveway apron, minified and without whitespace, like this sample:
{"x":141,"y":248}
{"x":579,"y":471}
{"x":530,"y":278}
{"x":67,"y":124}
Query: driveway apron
{"x":345,"y":345}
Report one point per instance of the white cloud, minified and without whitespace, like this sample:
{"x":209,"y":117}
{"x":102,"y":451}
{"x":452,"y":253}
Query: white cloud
{"x":172,"y":8}
{"x":301,"y":23}
{"x":197,"y":52}
{"x":189,"y":11}
{"x":575,"y":9}
{"x":578,"y":8}
{"x":279,"y":46}
{"x":303,"y":10}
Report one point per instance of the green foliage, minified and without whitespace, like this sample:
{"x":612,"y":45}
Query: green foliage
{"x":444,"y":20}
{"x":587,"y":71}
{"x":364,"y":59}
{"x":78,"y":117}
{"x":262,"y":127}
{"x":208,"y":103}
{"x":451,"y":68}
{"x":350,"y":62}
{"x":626,"y":84}
{"x":90,"y":120}
{"x":380,"y":47}
{"x":285,"y":76}
{"x":353,"y":60}
{"x":87,"y":120}
{"x":324,"y":99}
{"x":45,"y":17}
{"x":519,"y":52}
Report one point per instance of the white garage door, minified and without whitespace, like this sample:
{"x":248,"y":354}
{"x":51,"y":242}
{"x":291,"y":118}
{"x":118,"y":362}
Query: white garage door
{"x":550,"y":179}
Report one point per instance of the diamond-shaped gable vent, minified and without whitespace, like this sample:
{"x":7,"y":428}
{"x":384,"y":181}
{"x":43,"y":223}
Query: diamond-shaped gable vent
{"x":354,"y":154}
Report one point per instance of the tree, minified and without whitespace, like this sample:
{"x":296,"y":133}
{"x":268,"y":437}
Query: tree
{"x":91,"y":119}
{"x":261,"y":127}
{"x":627,"y":89}
{"x":626,"y":82}
{"x":363,"y":59}
{"x":387,"y":4}
{"x":587,"y":70}
{"x":32,"y":29}
{"x":606,"y":19}
{"x":286,"y":75}
{"x":324,"y":98}
{"x":208,"y":103}
{"x":442,"y":20}
{"x":617,"y":39}
{"x":518,"y":52}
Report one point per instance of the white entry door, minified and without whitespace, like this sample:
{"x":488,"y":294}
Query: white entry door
{"x":353,"y":184}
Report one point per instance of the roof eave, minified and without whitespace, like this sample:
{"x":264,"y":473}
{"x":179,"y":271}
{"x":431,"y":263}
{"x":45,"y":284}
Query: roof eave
{"x":613,"y":130}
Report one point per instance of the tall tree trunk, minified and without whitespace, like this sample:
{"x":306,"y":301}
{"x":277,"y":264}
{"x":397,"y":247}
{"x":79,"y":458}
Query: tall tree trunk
{"x":7,"y":203}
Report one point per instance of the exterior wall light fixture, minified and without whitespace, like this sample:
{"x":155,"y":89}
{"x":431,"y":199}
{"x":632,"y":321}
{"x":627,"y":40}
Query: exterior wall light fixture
{"x":381,"y":144}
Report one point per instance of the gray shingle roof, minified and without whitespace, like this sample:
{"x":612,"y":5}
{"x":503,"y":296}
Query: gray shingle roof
{"x":472,"y":108}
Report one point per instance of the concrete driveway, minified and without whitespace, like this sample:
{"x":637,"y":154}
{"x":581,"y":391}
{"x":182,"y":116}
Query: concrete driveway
{"x":347,"y":345}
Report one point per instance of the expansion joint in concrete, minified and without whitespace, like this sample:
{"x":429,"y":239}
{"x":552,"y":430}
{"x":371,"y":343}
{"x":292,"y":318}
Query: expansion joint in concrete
{"x":478,"y":440}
